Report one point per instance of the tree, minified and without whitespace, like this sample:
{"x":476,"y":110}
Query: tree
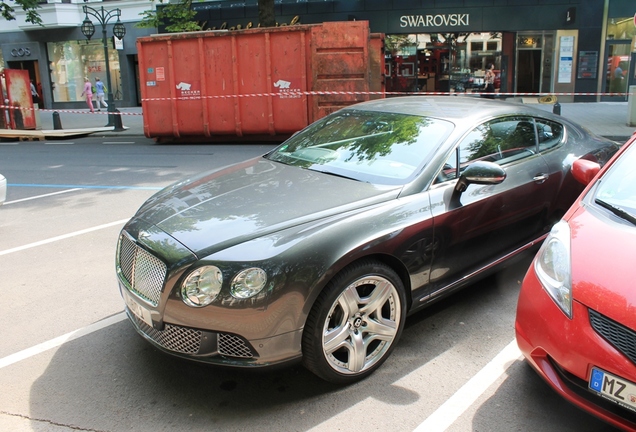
{"x":180,"y":16}
{"x":266,"y":16}
{"x":28,"y":6}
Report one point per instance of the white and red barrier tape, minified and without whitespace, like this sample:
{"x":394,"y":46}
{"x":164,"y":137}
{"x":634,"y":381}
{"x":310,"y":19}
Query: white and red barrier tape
{"x":296,"y":94}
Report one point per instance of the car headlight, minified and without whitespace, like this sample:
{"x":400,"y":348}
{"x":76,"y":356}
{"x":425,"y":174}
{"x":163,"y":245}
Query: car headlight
{"x":202,"y":286}
{"x":248,"y":283}
{"x":553,"y":267}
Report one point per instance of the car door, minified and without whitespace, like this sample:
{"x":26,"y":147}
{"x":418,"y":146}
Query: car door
{"x":488,"y":221}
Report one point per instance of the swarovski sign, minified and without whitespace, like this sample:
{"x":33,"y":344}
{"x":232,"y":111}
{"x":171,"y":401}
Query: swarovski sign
{"x":440,"y":20}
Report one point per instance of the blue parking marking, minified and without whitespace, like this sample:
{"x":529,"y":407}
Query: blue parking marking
{"x":63,"y":186}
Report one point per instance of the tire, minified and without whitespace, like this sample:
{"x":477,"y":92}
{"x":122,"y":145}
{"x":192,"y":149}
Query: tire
{"x":355,"y":323}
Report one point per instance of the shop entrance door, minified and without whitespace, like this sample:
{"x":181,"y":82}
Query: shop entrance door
{"x":32,"y":67}
{"x":529,"y":71}
{"x":617,"y":66}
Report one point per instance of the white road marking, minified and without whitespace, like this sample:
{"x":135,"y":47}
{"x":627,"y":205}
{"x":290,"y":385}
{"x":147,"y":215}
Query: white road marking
{"x":456,"y":405}
{"x":118,"y":142}
{"x":54,"y":343}
{"x":62,"y":237}
{"x":42,"y":196}
{"x":59,"y":143}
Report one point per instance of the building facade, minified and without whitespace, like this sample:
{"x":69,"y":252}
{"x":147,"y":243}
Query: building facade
{"x":580,"y":50}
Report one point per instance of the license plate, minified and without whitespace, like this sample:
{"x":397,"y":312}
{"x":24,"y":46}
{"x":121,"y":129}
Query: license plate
{"x":614,"y":388}
{"x":138,"y":310}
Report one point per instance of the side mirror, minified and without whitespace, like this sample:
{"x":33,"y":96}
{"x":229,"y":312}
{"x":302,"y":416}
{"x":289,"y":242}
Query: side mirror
{"x":584,"y":170}
{"x":480,"y":172}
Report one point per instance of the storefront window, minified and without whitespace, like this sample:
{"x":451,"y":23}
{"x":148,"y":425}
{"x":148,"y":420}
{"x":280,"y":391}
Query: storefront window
{"x":621,"y":28}
{"x":439,"y":62}
{"x":71,"y":61}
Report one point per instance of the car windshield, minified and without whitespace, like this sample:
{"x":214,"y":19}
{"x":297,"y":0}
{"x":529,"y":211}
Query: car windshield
{"x":617,"y":188}
{"x":374,"y":147}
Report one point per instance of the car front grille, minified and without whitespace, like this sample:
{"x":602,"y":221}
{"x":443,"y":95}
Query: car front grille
{"x":621,"y":337}
{"x":144,"y":272}
{"x":190,"y":341}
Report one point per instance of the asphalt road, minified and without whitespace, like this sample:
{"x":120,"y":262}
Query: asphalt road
{"x":70,"y":361}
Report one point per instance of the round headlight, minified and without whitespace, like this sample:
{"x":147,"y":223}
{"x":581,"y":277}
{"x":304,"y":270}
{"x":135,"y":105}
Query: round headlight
{"x":202,"y":286}
{"x":248,"y":283}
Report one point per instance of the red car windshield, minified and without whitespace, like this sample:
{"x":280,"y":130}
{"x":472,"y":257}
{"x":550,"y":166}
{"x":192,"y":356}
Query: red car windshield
{"x":616,"y":190}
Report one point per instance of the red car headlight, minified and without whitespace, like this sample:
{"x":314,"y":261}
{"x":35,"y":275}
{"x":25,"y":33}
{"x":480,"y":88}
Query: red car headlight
{"x":554,"y":268}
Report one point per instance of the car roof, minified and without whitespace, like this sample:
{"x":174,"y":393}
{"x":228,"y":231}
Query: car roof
{"x":451,"y":108}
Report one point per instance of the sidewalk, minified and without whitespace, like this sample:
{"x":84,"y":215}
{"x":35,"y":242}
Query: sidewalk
{"x":607,"y":119}
{"x":85,"y":121}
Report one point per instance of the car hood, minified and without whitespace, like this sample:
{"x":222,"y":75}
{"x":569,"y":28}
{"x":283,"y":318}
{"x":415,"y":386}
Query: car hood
{"x":603,"y":270}
{"x":219,"y":209}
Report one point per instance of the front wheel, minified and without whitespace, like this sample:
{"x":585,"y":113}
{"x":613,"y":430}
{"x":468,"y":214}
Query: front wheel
{"x":355,"y":323}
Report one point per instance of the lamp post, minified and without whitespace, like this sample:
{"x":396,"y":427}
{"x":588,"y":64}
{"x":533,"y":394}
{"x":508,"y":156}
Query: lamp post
{"x":119,"y":30}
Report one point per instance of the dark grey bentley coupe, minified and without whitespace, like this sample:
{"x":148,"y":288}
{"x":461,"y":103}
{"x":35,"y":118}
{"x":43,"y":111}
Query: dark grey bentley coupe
{"x":318,"y":250}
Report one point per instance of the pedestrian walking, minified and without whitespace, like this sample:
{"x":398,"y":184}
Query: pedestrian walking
{"x":34,"y":94}
{"x":101,"y":89}
{"x":489,"y":82}
{"x":88,"y":92}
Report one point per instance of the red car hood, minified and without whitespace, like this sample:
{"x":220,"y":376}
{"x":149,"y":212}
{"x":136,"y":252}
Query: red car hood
{"x":603,"y":266}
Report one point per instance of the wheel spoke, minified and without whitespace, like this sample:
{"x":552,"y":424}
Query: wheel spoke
{"x":336,"y":338}
{"x":357,"y":353}
{"x":378,"y":298}
{"x":381,"y":330}
{"x":349,"y":301}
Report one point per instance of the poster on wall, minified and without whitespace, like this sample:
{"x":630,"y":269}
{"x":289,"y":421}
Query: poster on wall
{"x":566,"y":62}
{"x":19,"y":95}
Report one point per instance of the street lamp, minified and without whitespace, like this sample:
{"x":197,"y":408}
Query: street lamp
{"x":119,"y":30}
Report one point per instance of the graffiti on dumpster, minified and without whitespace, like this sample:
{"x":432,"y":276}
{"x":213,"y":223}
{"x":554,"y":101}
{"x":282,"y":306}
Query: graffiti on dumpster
{"x":286,"y":91}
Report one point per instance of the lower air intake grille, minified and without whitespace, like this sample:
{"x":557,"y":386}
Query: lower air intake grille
{"x":189,"y":341}
{"x":233,"y":346}
{"x":174,"y":338}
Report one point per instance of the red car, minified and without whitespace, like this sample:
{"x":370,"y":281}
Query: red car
{"x":576,"y":316}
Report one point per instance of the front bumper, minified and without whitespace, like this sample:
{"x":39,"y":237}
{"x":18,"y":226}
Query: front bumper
{"x":563,"y":352}
{"x":218,"y":347}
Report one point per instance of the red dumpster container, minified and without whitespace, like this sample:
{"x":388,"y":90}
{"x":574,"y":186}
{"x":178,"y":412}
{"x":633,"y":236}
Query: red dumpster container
{"x":264,"y":83}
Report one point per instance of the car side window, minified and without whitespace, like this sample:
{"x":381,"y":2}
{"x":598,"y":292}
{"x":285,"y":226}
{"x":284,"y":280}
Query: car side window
{"x":549,"y":133}
{"x":502,"y":141}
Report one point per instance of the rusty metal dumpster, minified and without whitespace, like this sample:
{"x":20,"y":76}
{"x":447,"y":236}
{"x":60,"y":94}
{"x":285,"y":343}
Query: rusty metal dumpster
{"x":256,"y":84}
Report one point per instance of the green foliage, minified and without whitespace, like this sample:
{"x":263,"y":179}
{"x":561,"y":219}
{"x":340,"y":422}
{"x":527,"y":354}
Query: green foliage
{"x":28,"y":6}
{"x":395,"y":43}
{"x":179,"y":17}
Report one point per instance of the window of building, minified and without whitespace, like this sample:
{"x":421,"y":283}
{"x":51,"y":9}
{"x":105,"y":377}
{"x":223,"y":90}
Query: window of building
{"x":71,"y":61}
{"x":439,"y":62}
{"x":621,"y":28}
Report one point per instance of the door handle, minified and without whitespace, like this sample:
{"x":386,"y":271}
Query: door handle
{"x":540,"y":178}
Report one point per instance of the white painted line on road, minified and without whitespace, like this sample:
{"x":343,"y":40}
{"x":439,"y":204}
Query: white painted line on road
{"x":59,"y":143}
{"x":118,"y":142}
{"x":41,"y":196}
{"x":54,"y":343}
{"x":456,"y":405}
{"x":62,"y":237}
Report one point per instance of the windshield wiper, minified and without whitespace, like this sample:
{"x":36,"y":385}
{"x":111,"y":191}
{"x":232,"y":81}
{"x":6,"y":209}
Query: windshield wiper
{"x":616,"y":210}
{"x":333,"y":174}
